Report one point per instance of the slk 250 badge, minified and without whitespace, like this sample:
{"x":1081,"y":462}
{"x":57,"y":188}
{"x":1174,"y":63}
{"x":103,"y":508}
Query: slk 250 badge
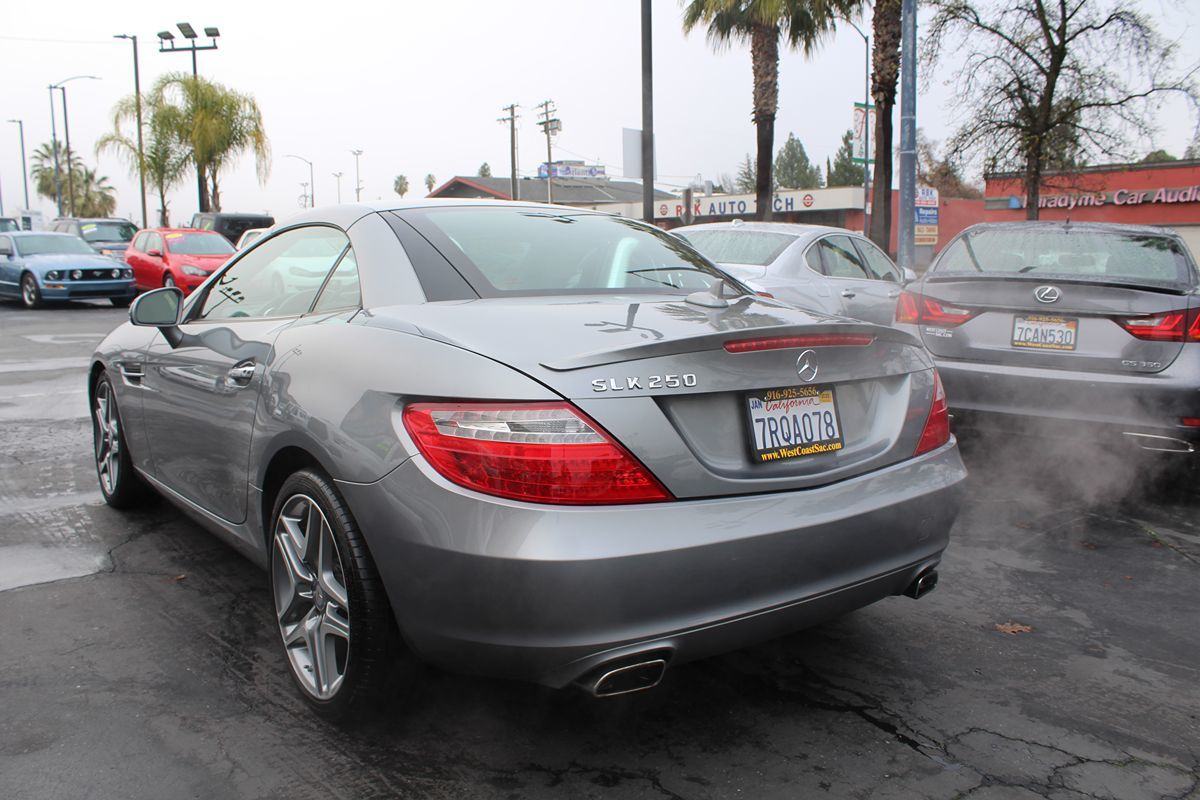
{"x":686,"y":380}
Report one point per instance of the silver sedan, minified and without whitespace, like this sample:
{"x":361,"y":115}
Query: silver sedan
{"x":814,"y":266}
{"x":527,"y":441}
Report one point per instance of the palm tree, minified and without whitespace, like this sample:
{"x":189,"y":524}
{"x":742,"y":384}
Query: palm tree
{"x":802,"y":24}
{"x":166,"y":156}
{"x":885,"y":71}
{"x":94,"y":196}
{"x":218,"y":125}
{"x":400,"y":185}
{"x":43,"y":168}
{"x":430,"y":181}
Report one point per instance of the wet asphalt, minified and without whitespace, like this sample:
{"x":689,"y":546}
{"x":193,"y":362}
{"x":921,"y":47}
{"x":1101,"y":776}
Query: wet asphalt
{"x":138,"y":659}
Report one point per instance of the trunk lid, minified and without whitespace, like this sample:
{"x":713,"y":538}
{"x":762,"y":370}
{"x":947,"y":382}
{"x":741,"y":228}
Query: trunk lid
{"x":1077,"y":331}
{"x":656,"y":375}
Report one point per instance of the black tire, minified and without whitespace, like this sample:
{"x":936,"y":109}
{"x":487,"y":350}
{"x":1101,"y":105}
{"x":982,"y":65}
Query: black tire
{"x":371,"y":667}
{"x":120,"y":485}
{"x":120,"y":302}
{"x":31,"y":293}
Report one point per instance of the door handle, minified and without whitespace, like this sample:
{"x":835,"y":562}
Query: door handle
{"x":240,"y":375}
{"x":847,"y":293}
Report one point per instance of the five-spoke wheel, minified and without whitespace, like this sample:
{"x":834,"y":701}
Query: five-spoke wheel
{"x":311,"y":601}
{"x":121,"y":487}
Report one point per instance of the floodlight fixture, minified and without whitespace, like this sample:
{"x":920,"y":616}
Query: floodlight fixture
{"x":186,"y":29}
{"x":212,"y":33}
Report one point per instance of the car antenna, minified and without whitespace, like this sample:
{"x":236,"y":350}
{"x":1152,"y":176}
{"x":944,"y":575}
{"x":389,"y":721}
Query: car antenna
{"x":714,"y":297}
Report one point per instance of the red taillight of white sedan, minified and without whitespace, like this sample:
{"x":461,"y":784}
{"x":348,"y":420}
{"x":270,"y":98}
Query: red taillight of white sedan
{"x":536,"y":452}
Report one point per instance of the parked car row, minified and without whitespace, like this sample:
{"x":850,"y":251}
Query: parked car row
{"x":60,"y":264}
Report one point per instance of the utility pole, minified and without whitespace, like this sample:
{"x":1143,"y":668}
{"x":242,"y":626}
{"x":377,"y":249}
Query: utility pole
{"x":357,"y":180}
{"x":511,"y":119}
{"x":338,"y":175}
{"x":550,"y":126}
{"x":647,"y":117}
{"x":908,"y":134}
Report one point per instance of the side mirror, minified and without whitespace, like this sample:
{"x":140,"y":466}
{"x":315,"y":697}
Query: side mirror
{"x":909,"y":276}
{"x":5,"y":247}
{"x":154,"y":253}
{"x":157,"y":309}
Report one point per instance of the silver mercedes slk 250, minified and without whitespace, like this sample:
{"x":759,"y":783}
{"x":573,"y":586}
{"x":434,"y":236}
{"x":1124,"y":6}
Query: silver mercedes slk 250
{"x":526,"y":441}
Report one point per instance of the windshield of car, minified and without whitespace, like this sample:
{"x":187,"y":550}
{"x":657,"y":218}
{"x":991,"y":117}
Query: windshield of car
{"x":524,"y":251}
{"x":47,"y":244}
{"x":198,"y":244}
{"x":108,"y":231}
{"x":730,"y":246}
{"x":1058,"y":252}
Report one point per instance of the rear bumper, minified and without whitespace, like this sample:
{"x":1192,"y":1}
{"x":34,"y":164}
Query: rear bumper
{"x":546,"y":593}
{"x":995,"y":396}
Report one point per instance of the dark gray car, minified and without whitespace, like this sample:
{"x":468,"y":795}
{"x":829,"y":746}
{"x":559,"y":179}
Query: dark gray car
{"x":527,"y":441}
{"x":1055,"y":327}
{"x":108,"y":236}
{"x":813,"y":266}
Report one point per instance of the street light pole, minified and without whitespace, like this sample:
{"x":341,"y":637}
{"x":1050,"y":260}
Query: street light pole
{"x":62,"y":87}
{"x":166,"y":44}
{"x":647,"y":117}
{"x":357,"y":179}
{"x":137,"y":94}
{"x":866,"y":124}
{"x":338,"y":175}
{"x":906,"y":244}
{"x":54,"y":147}
{"x":24,"y":170}
{"x":312,"y":184}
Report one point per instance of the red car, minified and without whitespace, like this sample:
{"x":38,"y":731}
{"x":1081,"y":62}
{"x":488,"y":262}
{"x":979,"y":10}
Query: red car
{"x":182,"y":257}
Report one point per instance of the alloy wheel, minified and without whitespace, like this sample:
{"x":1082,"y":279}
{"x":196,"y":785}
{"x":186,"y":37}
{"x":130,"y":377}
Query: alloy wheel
{"x":29,"y":291}
{"x":312,"y":604}
{"x":108,"y":438}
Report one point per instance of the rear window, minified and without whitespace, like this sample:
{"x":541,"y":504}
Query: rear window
{"x":527,"y":251}
{"x":115,"y":231}
{"x":755,"y":248}
{"x":1102,"y":256}
{"x":198,"y":244}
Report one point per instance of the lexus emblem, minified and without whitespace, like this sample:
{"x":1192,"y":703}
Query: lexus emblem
{"x":806,"y":366}
{"x":1047,"y":294}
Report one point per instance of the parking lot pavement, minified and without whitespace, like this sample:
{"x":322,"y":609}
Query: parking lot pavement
{"x":137,"y":655}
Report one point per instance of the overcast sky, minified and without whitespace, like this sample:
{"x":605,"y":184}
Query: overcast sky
{"x":418,"y":87}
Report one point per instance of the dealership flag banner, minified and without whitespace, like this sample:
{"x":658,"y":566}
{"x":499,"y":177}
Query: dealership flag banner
{"x":858,"y":145}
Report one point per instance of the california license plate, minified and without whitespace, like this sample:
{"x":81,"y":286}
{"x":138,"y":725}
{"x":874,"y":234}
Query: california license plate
{"x":1042,"y":332}
{"x":793,"y":421}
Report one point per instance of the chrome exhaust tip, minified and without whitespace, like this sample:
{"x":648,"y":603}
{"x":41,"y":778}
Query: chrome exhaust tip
{"x":1160,"y":444}
{"x":924,"y":583}
{"x":612,"y":681}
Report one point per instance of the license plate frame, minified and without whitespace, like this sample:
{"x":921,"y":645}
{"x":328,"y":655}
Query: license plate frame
{"x":797,"y":397}
{"x":1061,"y":324}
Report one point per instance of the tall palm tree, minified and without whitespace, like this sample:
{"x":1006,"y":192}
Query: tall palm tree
{"x":218,"y":125}
{"x":801,"y":24}
{"x":430,"y":182}
{"x":885,"y":72}
{"x":165,"y":156}
{"x":400,"y":185}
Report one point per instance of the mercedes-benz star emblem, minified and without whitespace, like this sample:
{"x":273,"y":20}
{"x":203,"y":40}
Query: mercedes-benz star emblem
{"x":806,"y":366}
{"x":1047,"y":294}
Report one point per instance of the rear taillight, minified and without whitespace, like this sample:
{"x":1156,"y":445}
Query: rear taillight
{"x":906,"y":308}
{"x":1191,"y":422}
{"x":1193,"y":334}
{"x":937,"y":424}
{"x":537,"y":452}
{"x":811,"y":340}
{"x":1168,"y":327}
{"x":914,"y":308}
